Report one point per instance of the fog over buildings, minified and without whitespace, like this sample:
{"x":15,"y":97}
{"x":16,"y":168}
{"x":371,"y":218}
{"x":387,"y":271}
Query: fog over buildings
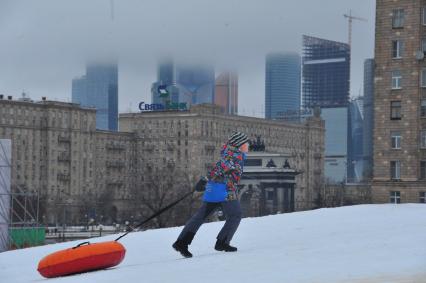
{"x":46,"y":43}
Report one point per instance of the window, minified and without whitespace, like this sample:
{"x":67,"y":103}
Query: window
{"x":395,"y":197}
{"x":423,"y":170}
{"x":253,"y":162}
{"x":398,"y":18}
{"x":397,"y":49}
{"x":270,"y":195}
{"x":422,"y":197}
{"x":396,"y":140}
{"x":423,"y":139}
{"x":424,"y":45}
{"x":396,"y":79}
{"x":423,"y":108}
{"x":423,"y":78}
{"x":395,"y":110}
{"x":424,"y":16}
{"x":395,"y":170}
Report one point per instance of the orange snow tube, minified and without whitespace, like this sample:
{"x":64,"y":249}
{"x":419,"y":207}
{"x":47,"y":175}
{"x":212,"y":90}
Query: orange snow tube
{"x":82,"y":258}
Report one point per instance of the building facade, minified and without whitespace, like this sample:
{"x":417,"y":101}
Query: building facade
{"x":57,"y":152}
{"x":99,"y":89}
{"x":399,"y":159}
{"x":191,"y":141}
{"x":326,"y":67}
{"x":282,"y":84}
{"x":368,"y":118}
{"x":226,"y":92}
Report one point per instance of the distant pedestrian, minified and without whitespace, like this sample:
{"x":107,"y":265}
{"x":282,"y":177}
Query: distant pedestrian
{"x":221,"y":191}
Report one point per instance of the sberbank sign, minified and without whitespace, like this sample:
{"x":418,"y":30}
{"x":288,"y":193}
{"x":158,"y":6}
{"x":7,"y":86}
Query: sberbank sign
{"x":159,"y":106}
{"x":164,"y":94}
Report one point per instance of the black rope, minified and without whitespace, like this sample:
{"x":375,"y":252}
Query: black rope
{"x":156,"y":214}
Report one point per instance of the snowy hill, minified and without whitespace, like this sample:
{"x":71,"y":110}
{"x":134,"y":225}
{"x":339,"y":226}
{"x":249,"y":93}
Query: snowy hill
{"x":366,"y":243}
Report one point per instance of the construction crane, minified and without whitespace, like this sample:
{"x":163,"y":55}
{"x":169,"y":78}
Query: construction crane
{"x":112,"y":9}
{"x":350,"y":19}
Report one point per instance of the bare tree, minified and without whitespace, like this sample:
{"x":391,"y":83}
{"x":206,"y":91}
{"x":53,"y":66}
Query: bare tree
{"x":160,"y":188}
{"x":106,"y":211}
{"x":87,"y":207}
{"x":330,"y":194}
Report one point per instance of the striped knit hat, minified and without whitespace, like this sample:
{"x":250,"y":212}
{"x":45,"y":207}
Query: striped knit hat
{"x":237,"y":139}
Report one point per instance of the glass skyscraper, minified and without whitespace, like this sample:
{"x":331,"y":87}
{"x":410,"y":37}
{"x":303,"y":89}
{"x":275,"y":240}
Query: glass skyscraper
{"x":326,"y":67}
{"x":336,"y":143}
{"x":196,"y":83}
{"x":165,"y":77}
{"x":99,"y":89}
{"x":191,"y":84}
{"x":226,"y":92}
{"x":282,"y":84}
{"x":368,"y":117}
{"x":355,"y":140}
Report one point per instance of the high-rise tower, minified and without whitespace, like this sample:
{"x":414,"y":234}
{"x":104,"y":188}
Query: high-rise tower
{"x":99,"y":89}
{"x":282,"y":84}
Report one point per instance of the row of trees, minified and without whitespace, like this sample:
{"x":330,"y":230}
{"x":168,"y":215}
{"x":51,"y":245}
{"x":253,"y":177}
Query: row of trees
{"x":155,"y":190}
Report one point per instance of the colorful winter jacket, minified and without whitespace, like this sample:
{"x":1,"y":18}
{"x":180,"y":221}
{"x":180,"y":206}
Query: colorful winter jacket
{"x":229,"y":168}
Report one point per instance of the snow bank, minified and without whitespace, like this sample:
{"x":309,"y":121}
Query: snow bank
{"x":366,"y":243}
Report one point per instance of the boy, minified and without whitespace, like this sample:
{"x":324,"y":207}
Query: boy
{"x":228,"y":171}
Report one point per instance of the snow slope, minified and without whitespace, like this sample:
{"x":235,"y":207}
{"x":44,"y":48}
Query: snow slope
{"x":366,"y":243}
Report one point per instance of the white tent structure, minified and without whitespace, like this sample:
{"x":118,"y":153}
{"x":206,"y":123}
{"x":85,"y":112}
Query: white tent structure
{"x":5,"y":193}
{"x":19,"y":206}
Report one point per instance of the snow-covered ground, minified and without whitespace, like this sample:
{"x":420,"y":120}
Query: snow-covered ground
{"x":366,"y":243}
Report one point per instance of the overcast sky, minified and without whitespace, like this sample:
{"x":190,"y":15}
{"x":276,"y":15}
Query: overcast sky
{"x":44,"y":44}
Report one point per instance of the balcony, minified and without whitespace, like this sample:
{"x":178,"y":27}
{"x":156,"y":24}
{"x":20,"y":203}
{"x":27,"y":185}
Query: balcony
{"x":115,"y":147}
{"x":62,"y":139}
{"x":149,"y":147}
{"x":63,"y":177}
{"x":171,"y":146}
{"x":64,"y":157}
{"x":114,"y":184}
{"x":115,"y":164}
{"x":171,"y":163}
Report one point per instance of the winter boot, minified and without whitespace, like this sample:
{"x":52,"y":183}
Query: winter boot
{"x":222,"y":246}
{"x":181,"y":245}
{"x":182,"y":248}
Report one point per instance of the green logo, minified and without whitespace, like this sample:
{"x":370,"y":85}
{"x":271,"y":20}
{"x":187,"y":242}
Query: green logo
{"x":162,"y":90}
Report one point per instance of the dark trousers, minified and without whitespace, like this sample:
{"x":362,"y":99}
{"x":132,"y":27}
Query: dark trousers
{"x":232,"y":211}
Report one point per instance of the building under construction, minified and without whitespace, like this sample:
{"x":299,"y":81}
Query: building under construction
{"x":326,"y":71}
